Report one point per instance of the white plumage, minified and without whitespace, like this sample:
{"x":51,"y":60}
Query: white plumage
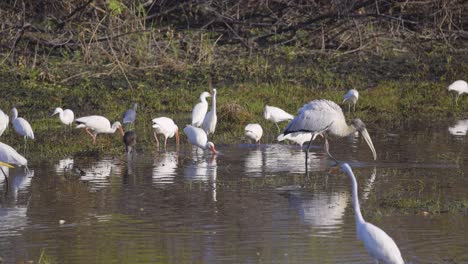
{"x":297,"y":137}
{"x":210,"y":120}
{"x":200,"y":109}
{"x":166,"y":127}
{"x":351,"y":97}
{"x":4,"y":120}
{"x":460,"y":87}
{"x":254,"y":132}
{"x":11,"y":156}
{"x":276,"y":115}
{"x":21,"y":126}
{"x":197,"y":137}
{"x":460,"y":128}
{"x":324,"y":117}
{"x":378,"y":244}
{"x":66,"y":116}
{"x":95,"y":125}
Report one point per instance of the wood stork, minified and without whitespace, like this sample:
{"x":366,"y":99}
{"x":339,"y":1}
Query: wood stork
{"x":460,"y":87}
{"x":167,"y":127}
{"x":95,"y":125}
{"x":324,"y":117}
{"x":210,"y":120}
{"x":378,"y":244}
{"x":197,"y":137}
{"x":200,"y":109}
{"x":9,"y":155}
{"x":276,"y":115}
{"x":129,"y":116}
{"x":351,"y":97}
{"x":66,"y":116}
{"x":254,"y":132}
{"x":21,"y":126}
{"x":129,"y":139}
{"x":4,"y":120}
{"x":297,"y":137}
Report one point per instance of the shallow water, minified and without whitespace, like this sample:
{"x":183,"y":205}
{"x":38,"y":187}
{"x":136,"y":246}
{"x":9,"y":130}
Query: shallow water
{"x":249,"y":204}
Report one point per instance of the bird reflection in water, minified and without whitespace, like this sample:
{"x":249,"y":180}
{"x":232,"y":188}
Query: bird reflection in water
{"x":203,"y":168}
{"x":460,"y":128}
{"x":165,"y":167}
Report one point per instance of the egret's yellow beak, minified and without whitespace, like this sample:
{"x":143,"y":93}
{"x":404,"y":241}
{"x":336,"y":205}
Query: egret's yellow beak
{"x":6,"y":164}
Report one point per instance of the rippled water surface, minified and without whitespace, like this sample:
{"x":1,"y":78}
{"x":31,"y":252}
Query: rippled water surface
{"x":249,"y":204}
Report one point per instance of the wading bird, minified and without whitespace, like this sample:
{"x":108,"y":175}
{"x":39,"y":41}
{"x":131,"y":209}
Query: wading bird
{"x":129,"y":139}
{"x":167,"y":127}
{"x":210,"y":120}
{"x":378,"y":244}
{"x":324,"y":117}
{"x":276,"y":115}
{"x":95,"y":125}
{"x":9,"y":155}
{"x":197,"y":137}
{"x":351,"y":97}
{"x":4,"y":120}
{"x":21,"y":126}
{"x":297,"y":137}
{"x":66,"y":116}
{"x":200,"y":109}
{"x":254,"y":132}
{"x":129,"y":116}
{"x":460,"y":87}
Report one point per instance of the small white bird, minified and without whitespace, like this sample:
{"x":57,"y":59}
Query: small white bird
{"x":167,"y":127}
{"x":276,"y":115}
{"x":351,"y":97}
{"x":21,"y":126}
{"x":66,"y":116}
{"x":197,"y":137}
{"x":378,"y":244}
{"x":254,"y":132}
{"x":460,"y":87}
{"x":95,"y":125}
{"x":210,"y":120}
{"x":297,"y":137}
{"x":200,"y":109}
{"x":4,"y":120}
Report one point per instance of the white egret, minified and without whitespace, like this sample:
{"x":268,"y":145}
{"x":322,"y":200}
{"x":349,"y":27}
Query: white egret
{"x":324,"y":117}
{"x":378,"y":244}
{"x":200,"y":109}
{"x":9,"y":155}
{"x":254,"y":132}
{"x":351,"y":97}
{"x":460,"y":87}
{"x":4,"y":120}
{"x":129,"y":139}
{"x":297,"y":137}
{"x":21,"y":126}
{"x":95,"y":125}
{"x":129,"y":116}
{"x":276,"y":115}
{"x":167,"y":127}
{"x":210,"y":120}
{"x":66,"y":116}
{"x":197,"y":137}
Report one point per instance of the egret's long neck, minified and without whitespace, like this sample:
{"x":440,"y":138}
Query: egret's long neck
{"x":214,"y":103}
{"x":357,"y":208}
{"x":14,"y":114}
{"x":203,"y":99}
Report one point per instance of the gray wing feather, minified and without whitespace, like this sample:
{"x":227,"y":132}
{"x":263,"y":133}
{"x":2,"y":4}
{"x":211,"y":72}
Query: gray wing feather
{"x":129,"y":116}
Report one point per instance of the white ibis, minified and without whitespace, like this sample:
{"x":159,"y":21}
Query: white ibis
{"x":324,"y":117}
{"x":4,"y":120}
{"x":21,"y":126}
{"x":378,"y":244}
{"x":166,"y":127}
{"x":254,"y":132}
{"x":200,"y":109}
{"x":95,"y":125}
{"x":66,"y":116}
{"x":197,"y":137}
{"x":297,"y":137}
{"x":129,"y":116}
{"x":210,"y":120}
{"x":351,"y":97}
{"x":276,"y":115}
{"x":460,"y":87}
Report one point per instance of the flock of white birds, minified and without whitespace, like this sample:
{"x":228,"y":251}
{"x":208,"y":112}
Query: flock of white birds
{"x":317,"y":118}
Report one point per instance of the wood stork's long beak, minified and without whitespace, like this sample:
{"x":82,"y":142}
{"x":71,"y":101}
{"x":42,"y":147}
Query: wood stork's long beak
{"x":6,"y":164}
{"x":368,"y":140}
